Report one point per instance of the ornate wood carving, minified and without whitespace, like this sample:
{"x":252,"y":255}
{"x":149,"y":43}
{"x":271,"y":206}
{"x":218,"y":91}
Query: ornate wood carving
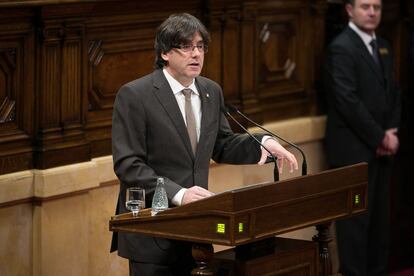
{"x":261,"y":54}
{"x":16,"y":99}
{"x":7,"y":68}
{"x":60,"y":95}
{"x":283,"y":66}
{"x":248,"y":61}
{"x":115,"y":58}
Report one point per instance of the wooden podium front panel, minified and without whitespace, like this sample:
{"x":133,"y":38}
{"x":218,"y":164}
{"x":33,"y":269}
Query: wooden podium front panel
{"x":259,"y":211}
{"x":201,"y":228}
{"x":290,"y":257}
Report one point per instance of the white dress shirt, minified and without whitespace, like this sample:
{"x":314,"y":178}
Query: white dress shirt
{"x":177,"y":88}
{"x":366,"y":38}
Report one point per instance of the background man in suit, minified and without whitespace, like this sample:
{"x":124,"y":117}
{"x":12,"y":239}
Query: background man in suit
{"x":159,"y":131}
{"x":363,"y":115}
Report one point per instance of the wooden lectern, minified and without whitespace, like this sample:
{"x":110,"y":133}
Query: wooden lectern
{"x":250,"y":217}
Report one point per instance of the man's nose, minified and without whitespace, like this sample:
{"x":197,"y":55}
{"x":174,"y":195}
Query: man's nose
{"x":371,"y":10}
{"x":195,"y":51}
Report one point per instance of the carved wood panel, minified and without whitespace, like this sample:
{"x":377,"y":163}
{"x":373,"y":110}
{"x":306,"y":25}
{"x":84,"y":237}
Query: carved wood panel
{"x":115,"y":57}
{"x":283,"y":68}
{"x":7,"y":85}
{"x":16,"y":100}
{"x":231,"y":58}
{"x":82,"y":52}
{"x":60,"y":93}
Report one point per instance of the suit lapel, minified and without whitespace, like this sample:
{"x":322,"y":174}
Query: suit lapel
{"x":366,"y":55}
{"x":384,"y":61}
{"x":167,"y":99}
{"x":207,"y":116}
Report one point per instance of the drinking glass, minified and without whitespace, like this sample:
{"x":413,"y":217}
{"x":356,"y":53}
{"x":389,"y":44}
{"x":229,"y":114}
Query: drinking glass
{"x":135,"y":200}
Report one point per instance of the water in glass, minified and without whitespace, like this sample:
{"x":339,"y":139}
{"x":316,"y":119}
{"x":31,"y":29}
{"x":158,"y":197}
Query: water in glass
{"x":135,"y":200}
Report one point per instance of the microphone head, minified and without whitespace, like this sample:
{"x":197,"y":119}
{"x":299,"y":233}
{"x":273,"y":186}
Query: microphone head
{"x":224,"y":109}
{"x":231,"y":108}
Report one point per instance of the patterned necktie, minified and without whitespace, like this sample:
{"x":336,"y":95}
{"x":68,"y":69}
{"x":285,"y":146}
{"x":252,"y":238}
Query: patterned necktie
{"x":375,"y":56}
{"x":190,"y":119}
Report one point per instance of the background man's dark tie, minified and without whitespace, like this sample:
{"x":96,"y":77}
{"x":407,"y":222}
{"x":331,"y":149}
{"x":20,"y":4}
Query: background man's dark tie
{"x":375,"y":55}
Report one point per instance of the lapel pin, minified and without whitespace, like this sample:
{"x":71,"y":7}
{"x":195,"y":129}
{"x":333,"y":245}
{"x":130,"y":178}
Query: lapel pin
{"x":383,"y":51}
{"x":208,"y":95}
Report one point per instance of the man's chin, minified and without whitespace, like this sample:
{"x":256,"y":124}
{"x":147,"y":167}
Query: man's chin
{"x":369,"y":29}
{"x":194,"y":73}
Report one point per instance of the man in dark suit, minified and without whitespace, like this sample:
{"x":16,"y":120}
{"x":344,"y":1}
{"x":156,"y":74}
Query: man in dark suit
{"x":363,"y":116}
{"x":169,"y":124}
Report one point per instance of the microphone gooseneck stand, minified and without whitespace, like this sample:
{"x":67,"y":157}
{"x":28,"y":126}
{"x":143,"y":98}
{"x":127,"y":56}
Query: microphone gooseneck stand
{"x":275,"y":169}
{"x":304,"y":164}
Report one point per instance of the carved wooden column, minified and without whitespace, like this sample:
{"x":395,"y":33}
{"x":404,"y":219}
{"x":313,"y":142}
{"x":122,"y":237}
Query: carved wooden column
{"x":324,"y":238}
{"x":248,"y":70}
{"x":203,"y":254}
{"x":231,"y":60}
{"x":60,"y":95}
{"x":231,"y":54}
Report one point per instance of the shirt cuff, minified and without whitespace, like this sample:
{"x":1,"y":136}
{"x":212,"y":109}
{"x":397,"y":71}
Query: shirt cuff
{"x":264,"y":138}
{"x":176,"y":200}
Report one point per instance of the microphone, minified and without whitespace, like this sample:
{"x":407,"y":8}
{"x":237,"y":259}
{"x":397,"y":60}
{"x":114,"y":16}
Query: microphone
{"x":304,"y":164}
{"x":275,"y":169}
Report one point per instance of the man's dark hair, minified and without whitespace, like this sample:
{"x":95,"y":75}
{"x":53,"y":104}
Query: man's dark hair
{"x":351,"y":2}
{"x":177,"y":29}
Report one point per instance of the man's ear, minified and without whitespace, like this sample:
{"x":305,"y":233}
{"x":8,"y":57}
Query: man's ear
{"x":165,"y":56}
{"x":349,"y":10}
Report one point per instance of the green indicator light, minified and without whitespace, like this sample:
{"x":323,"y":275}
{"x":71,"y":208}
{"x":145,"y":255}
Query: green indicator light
{"x":356,"y":199}
{"x":241,"y":227}
{"x":221,"y":228}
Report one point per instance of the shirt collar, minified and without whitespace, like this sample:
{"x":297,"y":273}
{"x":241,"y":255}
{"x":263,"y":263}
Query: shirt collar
{"x":366,"y":38}
{"x":177,"y":87}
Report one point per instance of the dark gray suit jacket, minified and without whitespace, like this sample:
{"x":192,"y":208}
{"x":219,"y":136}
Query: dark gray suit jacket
{"x":362,"y":101}
{"x":149,"y":139}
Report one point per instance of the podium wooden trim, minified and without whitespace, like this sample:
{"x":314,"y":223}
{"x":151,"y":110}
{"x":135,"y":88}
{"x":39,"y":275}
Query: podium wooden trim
{"x":258,"y":211}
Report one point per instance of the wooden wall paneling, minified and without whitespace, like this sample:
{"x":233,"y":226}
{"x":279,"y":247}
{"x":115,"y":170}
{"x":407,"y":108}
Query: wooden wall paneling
{"x":78,"y":53}
{"x":113,"y":61}
{"x":120,"y":49}
{"x":248,"y":77}
{"x":72,"y":75}
{"x":215,"y":14}
{"x":317,"y":38}
{"x":16,"y":85}
{"x":225,"y":63}
{"x":391,"y":28}
{"x":59,"y":95}
{"x":231,"y":55}
{"x":212,"y":60}
{"x":282,"y":52}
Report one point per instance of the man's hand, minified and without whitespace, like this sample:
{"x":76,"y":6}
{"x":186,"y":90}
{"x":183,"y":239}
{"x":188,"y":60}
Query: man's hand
{"x":280,"y":152}
{"x":390,"y":143}
{"x":195,"y":193}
